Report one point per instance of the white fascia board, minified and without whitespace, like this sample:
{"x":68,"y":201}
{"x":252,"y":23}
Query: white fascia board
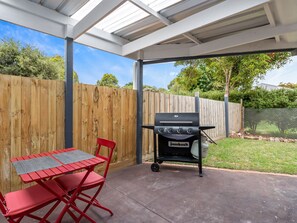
{"x":22,"y":18}
{"x":38,"y":10}
{"x":35,"y":16}
{"x":203,"y":18}
{"x":102,"y":10}
{"x":263,"y":45}
{"x":167,"y":51}
{"x":99,"y":44}
{"x":244,"y":37}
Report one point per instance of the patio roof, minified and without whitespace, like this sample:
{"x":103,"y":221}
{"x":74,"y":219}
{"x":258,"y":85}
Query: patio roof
{"x":155,"y":29}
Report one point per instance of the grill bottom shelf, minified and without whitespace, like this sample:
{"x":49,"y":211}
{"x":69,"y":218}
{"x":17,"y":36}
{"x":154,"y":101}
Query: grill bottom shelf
{"x":178,"y":159}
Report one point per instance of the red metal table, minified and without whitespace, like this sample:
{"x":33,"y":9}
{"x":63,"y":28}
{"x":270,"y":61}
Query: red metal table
{"x":44,"y":174}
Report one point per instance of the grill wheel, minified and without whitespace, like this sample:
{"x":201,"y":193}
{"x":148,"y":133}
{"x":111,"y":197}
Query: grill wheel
{"x":155,"y":167}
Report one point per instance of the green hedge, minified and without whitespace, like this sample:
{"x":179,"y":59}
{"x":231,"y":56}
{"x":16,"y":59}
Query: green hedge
{"x":258,"y":98}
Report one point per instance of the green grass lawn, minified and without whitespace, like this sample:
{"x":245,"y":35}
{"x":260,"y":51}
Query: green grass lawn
{"x":243,"y":154}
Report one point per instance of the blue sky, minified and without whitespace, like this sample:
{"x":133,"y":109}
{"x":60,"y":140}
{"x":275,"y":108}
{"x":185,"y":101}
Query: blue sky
{"x":91,"y":64}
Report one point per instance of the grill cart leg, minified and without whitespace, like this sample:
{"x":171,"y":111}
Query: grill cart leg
{"x":155,"y":166}
{"x":200,"y":154}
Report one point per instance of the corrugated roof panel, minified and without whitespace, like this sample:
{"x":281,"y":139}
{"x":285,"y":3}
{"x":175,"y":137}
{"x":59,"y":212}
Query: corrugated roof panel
{"x":52,"y":4}
{"x":84,"y":10}
{"x":175,"y":12}
{"x":123,"y":16}
{"x":128,"y":14}
{"x":248,"y":20}
{"x":70,"y":7}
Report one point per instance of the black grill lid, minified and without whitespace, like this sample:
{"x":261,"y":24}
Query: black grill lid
{"x":177,"y":119}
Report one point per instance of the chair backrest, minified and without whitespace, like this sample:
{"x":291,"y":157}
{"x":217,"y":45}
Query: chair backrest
{"x":2,"y":204}
{"x":108,"y":144}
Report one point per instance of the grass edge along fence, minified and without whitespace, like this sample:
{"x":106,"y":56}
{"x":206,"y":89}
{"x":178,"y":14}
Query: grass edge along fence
{"x":32,"y":120}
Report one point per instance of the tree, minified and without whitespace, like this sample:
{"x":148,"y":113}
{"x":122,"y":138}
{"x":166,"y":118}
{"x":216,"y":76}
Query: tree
{"x":227,"y":73}
{"x":59,"y":64}
{"x":108,"y":80}
{"x":29,"y":61}
{"x":129,"y":85}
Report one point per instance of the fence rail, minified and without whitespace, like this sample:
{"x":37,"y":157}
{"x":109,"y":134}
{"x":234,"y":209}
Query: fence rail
{"x":32,"y":120}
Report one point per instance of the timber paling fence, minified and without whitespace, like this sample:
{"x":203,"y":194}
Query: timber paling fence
{"x":32,"y":120}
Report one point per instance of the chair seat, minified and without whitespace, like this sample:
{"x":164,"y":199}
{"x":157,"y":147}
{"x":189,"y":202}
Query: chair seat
{"x":71,"y":181}
{"x":23,"y":200}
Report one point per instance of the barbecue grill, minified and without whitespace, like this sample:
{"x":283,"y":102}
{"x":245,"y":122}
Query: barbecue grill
{"x":175,"y":134}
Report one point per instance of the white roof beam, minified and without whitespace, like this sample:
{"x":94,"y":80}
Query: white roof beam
{"x":162,"y":18}
{"x":102,"y":10}
{"x":167,"y":51}
{"x":31,"y":21}
{"x":244,"y":37}
{"x":35,"y":16}
{"x":100,"y":44}
{"x":205,"y":17}
{"x":271,"y":19}
{"x":263,"y":45}
{"x":182,"y":50}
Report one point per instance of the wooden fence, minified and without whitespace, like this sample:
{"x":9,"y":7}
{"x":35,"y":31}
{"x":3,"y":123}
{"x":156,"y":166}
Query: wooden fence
{"x":32,"y":120}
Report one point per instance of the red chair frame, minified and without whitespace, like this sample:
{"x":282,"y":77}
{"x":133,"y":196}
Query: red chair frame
{"x":69,"y":182}
{"x":35,"y":198}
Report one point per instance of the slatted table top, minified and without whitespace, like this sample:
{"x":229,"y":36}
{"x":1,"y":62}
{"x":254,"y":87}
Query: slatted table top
{"x":50,"y":164}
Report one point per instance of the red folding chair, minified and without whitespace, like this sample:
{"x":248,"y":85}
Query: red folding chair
{"x":70,"y":182}
{"x":18,"y":204}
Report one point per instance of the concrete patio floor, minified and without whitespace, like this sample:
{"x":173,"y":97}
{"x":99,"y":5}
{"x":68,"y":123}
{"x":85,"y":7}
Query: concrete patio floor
{"x":177,"y":194}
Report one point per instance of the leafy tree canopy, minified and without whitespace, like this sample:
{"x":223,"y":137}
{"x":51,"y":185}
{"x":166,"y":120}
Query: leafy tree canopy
{"x":29,"y":61}
{"x":225,"y":73}
{"x":108,"y":80}
{"x":146,"y":88}
{"x":258,"y":98}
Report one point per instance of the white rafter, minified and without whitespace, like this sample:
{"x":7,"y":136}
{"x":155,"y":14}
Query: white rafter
{"x":98,"y":13}
{"x":270,"y":19}
{"x":162,"y":18}
{"x":205,"y":17}
{"x":244,"y":37}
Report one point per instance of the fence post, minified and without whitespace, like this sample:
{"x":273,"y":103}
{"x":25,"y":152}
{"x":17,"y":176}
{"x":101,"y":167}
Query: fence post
{"x":242,"y":116}
{"x":197,"y":104}
{"x":68,"y":92}
{"x":226,"y":99}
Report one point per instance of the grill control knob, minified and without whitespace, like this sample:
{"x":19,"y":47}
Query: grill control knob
{"x":169,"y":130}
{"x":179,"y":130}
{"x":161,"y":130}
{"x":189,"y":130}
